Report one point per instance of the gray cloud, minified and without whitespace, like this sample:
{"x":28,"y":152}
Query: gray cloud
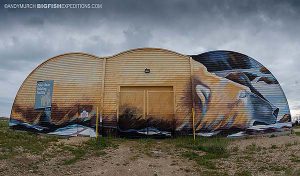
{"x":265,"y":30}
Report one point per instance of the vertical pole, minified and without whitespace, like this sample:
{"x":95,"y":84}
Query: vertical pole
{"x":192,"y":82}
{"x":118,"y":109}
{"x":147,"y":102}
{"x":193,"y":99}
{"x":97,"y":123}
{"x":174,"y":110}
{"x":147,"y":112}
{"x":118,"y":104}
{"x":194,"y":131}
{"x":144,"y":104}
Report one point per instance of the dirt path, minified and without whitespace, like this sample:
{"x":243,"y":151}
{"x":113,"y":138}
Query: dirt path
{"x":129,"y":159}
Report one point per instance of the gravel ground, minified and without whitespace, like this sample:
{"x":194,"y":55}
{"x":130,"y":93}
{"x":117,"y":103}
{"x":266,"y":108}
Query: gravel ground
{"x":255,"y":156}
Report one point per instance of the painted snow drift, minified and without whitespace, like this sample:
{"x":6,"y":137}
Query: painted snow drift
{"x":232,"y":94}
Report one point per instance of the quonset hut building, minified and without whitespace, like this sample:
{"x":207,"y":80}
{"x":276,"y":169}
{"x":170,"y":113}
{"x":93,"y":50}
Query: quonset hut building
{"x":151,"y":91}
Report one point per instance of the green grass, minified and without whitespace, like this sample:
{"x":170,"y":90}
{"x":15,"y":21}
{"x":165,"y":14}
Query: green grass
{"x":92,"y":147}
{"x":277,"y":167}
{"x":213,"y":145}
{"x":100,"y":143}
{"x":144,"y":145}
{"x":204,"y":160}
{"x":288,"y":145}
{"x":292,"y":172}
{"x":213,"y":148}
{"x":234,"y":149}
{"x":253,"y":148}
{"x":295,"y":158}
{"x":274,"y":146}
{"x":77,"y":154}
{"x":243,"y":173}
{"x":15,"y":142}
{"x":212,"y":173}
{"x":297,"y":133}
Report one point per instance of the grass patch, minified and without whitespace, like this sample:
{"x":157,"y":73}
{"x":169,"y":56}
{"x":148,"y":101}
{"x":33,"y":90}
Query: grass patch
{"x":77,"y":152}
{"x":288,"y":145}
{"x":213,"y":145}
{"x":201,"y":160}
{"x":297,"y":133}
{"x":247,"y":157}
{"x":253,"y":148}
{"x":295,"y":158}
{"x":263,"y":168}
{"x":92,"y":147}
{"x":214,"y":148}
{"x":213,"y":173}
{"x":100,"y":144}
{"x":15,"y":142}
{"x":190,"y":155}
{"x":243,"y":173}
{"x":145,"y":145}
{"x":292,"y":172}
{"x":6,"y":155}
{"x":277,"y":167}
{"x":274,"y":146}
{"x":234,"y":149}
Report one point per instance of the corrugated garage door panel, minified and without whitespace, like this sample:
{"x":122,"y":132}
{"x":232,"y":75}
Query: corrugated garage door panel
{"x":77,"y":81}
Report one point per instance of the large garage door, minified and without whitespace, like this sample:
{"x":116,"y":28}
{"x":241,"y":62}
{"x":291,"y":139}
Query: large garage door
{"x":147,"y":101}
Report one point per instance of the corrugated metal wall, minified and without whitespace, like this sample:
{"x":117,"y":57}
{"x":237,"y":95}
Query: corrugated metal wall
{"x":223,"y":100}
{"x":78,"y":81}
{"x":234,"y":91}
{"x":215,"y":100}
{"x":166,"y":69}
{"x":77,"y":84}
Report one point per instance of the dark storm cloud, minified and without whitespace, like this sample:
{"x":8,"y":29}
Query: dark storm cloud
{"x":265,"y":30}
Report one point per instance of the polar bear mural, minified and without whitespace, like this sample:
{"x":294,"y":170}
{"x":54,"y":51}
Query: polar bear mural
{"x":236,"y":93}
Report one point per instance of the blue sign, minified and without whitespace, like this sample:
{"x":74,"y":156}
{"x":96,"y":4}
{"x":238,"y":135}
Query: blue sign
{"x":43,"y":95}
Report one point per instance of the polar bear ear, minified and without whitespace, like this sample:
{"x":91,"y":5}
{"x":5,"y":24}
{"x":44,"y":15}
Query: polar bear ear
{"x":200,"y":94}
{"x":204,"y":95}
{"x":203,"y":92}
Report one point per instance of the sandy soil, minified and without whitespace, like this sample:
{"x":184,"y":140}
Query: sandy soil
{"x":127,"y":161}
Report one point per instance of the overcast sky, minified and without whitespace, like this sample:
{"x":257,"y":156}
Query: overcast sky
{"x":268,"y":31}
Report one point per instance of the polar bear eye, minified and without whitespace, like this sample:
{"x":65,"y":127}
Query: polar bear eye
{"x":242,"y":94}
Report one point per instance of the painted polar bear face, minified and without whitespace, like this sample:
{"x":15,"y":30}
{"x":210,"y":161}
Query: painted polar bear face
{"x":224,"y":104}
